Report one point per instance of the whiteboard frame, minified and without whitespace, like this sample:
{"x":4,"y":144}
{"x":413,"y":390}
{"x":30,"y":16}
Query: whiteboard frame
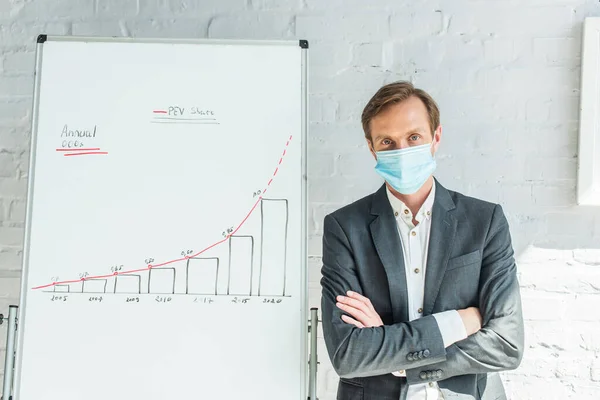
{"x":41,"y":39}
{"x":588,"y":168}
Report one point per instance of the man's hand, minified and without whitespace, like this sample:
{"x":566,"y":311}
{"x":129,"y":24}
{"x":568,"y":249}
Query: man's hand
{"x":471,"y":318}
{"x":360,"y":308}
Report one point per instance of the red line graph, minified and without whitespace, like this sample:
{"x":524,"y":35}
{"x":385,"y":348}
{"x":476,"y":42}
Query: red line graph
{"x":150,"y":266}
{"x":159,"y":112}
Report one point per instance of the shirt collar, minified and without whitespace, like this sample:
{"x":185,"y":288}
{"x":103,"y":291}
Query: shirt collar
{"x":402,"y":211}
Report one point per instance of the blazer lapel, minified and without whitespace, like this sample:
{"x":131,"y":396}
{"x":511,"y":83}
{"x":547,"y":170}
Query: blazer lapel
{"x":441,"y":240}
{"x":389,"y":248}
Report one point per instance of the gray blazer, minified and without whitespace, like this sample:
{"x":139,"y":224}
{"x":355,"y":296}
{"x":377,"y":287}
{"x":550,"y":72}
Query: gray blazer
{"x":470,"y":263}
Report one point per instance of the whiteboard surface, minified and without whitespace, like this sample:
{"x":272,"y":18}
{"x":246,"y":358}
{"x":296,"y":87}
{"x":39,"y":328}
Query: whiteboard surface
{"x":189,"y":203}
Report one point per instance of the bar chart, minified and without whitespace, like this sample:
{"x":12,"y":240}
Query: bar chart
{"x":241,"y":264}
{"x":94,"y":285}
{"x":249,"y":263}
{"x":127,"y":283}
{"x":273,"y":250}
{"x":202,"y":275}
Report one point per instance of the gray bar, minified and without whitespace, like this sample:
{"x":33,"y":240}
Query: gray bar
{"x":128,"y":284}
{"x":161,"y":281}
{"x":94,"y":286}
{"x":202,"y":275}
{"x":241,"y":260}
{"x":273,"y":247}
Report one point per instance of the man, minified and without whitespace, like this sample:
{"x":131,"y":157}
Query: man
{"x":420,"y":299}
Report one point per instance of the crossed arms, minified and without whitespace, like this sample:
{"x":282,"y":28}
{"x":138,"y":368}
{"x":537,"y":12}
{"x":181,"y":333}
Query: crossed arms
{"x":376,"y":350}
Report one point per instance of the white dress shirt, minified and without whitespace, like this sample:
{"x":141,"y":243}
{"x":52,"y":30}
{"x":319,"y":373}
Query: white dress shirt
{"x":415,"y":245}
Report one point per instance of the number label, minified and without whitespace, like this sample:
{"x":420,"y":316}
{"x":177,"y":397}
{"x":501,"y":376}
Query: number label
{"x":116,"y":268}
{"x":272,"y":301}
{"x":207,"y":300}
{"x":242,"y":300}
{"x":227,"y":232}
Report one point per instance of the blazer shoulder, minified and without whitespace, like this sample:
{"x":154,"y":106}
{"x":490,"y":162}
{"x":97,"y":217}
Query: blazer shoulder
{"x":473,"y":205}
{"x":358,"y":209}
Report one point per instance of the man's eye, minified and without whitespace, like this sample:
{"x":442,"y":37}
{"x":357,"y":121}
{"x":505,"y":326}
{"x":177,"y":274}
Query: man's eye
{"x":414,"y":137}
{"x":386,"y":142}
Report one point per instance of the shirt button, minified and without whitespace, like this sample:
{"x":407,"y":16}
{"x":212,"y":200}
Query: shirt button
{"x":417,"y":270}
{"x":413,"y":233}
{"x":420,"y":310}
{"x":405,"y":211}
{"x":430,"y":384}
{"x":396,"y":213}
{"x":428,"y":212}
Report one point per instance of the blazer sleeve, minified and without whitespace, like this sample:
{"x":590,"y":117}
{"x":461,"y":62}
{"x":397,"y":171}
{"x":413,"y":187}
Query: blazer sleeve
{"x":360,"y":352}
{"x":498,"y":346}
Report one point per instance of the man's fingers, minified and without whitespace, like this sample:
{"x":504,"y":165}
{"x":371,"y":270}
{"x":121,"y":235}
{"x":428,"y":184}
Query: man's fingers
{"x":359,"y":304}
{"x":362,"y":298}
{"x":352,"y":321}
{"x":359,"y":307}
{"x":355,"y":312}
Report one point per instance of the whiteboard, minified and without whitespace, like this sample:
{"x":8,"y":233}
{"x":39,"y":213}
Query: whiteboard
{"x":165,"y":251}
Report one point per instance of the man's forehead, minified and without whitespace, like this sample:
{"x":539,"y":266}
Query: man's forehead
{"x":396,"y":117}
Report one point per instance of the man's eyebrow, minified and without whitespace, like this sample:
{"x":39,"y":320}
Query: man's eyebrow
{"x":416,"y":130}
{"x":407,"y":133}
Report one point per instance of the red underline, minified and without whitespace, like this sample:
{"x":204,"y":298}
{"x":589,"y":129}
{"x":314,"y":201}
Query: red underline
{"x":85,"y":153}
{"x":159,"y":112}
{"x":150,"y":266}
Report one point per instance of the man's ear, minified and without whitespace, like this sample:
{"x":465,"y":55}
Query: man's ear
{"x":437,"y":137}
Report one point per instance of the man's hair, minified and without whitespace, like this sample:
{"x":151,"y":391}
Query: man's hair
{"x":394,"y":93}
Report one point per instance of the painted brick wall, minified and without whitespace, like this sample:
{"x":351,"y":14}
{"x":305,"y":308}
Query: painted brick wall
{"x":505,"y":74}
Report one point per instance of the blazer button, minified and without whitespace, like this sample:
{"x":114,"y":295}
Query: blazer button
{"x":439,"y":373}
{"x":409,"y":357}
{"x":426,"y":353}
{"x":420,"y":355}
{"x":423,"y":375}
{"x":429,"y":374}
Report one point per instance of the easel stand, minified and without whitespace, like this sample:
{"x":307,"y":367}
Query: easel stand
{"x":12,"y":331}
{"x":313,"y":362}
{"x":10,"y":352}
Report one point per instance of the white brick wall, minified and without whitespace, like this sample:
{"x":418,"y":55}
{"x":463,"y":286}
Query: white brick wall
{"x":506,"y":76}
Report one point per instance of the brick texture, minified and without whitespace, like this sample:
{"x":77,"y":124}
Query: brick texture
{"x":506,"y":76}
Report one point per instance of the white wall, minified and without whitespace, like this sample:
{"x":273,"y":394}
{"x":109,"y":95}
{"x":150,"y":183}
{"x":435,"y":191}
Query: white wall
{"x":505,"y":74}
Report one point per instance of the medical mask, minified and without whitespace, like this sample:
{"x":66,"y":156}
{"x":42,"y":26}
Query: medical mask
{"x":406,"y":170}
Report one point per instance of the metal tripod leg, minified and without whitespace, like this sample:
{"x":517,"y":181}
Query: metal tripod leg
{"x":10,"y":353}
{"x":313,"y":362}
